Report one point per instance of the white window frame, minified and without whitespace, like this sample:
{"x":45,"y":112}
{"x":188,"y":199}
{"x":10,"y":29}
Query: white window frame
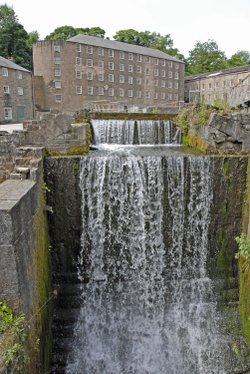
{"x":78,"y":74}
{"x":58,"y":98}
{"x":130,"y":68}
{"x":130,"y":79}
{"x":111,"y":65}
{"x":90,"y":90}
{"x":89,"y":49}
{"x":139,"y":58}
{"x":111,"y":91}
{"x":89,"y":75}
{"x":100,"y":77}
{"x":121,"y":78}
{"x":100,"y":91}
{"x":57,"y":72}
{"x":19,"y":74}
{"x":79,"y":90}
{"x":20,"y":91}
{"x":163,"y":95}
{"x":57,"y":60}
{"x":121,"y":92}
{"x":89,"y":63}
{"x":100,"y":51}
{"x":138,"y":94}
{"x":78,"y":61}
{"x":122,"y":55}
{"x":163,"y":84}
{"x":111,"y":78}
{"x":111,"y":53}
{"x":100,"y":64}
{"x":130,"y":56}
{"x":57,"y":48}
{"x":78,"y":47}
{"x":5,"y":72}
{"x":130,"y":93}
{"x":58,"y":85}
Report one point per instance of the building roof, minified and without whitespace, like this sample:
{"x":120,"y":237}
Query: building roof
{"x":120,"y":46}
{"x":234,"y":70}
{"x":4,"y":62}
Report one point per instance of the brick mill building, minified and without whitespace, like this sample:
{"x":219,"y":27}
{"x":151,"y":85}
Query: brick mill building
{"x":228,"y":85}
{"x":100,"y":74}
{"x":16,"y":95}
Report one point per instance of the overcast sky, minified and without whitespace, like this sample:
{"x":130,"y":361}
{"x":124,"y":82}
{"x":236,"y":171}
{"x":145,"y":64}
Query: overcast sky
{"x":187,"y":21}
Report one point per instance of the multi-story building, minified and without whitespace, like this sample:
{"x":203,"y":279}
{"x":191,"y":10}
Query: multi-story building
{"x":96,"y":73}
{"x":229,"y":85}
{"x":16,"y":93}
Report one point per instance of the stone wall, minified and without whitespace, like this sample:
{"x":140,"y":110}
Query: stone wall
{"x":24,"y":259}
{"x":228,"y":132}
{"x":54,"y":131}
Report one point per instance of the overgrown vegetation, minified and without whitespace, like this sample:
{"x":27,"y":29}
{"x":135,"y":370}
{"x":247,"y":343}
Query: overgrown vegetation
{"x":12,"y":325}
{"x":243,"y":242}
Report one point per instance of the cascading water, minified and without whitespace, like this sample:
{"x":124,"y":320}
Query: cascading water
{"x":147,"y":301}
{"x":135,"y":132}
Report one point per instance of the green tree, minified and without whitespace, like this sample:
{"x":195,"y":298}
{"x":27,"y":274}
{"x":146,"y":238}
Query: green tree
{"x":66,"y":32}
{"x":239,"y":58}
{"x":148,"y":39}
{"x":14,"y":40}
{"x":205,"y":57}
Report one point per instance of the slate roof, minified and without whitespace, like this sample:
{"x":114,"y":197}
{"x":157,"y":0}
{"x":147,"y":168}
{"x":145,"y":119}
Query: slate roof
{"x":237,"y":69}
{"x":120,"y":46}
{"x":4,"y":62}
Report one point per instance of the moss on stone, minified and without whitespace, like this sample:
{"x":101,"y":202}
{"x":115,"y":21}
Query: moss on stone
{"x":244,"y":273}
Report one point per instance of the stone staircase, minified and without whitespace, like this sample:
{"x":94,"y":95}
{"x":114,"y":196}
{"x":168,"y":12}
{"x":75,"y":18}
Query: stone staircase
{"x":27,"y":162}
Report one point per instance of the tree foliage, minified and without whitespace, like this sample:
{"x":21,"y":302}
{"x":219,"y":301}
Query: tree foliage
{"x":15,"y":42}
{"x":66,"y":32}
{"x":205,"y":57}
{"x":148,"y":39}
{"x":239,"y":58}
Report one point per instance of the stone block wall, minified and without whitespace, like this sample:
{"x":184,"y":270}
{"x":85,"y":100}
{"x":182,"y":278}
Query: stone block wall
{"x":229,"y":132}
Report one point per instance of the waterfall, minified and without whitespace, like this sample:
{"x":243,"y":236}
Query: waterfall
{"x":148,"y":305}
{"x":135,"y":132}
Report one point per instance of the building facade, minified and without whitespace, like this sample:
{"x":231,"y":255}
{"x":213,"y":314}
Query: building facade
{"x":229,"y":85}
{"x":96,"y":73}
{"x":16,"y":96}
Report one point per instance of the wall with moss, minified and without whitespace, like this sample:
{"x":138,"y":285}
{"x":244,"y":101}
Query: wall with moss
{"x":25,"y":266}
{"x":244,"y":271}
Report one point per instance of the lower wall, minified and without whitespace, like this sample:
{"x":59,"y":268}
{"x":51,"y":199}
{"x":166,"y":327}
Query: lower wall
{"x":24,"y":263}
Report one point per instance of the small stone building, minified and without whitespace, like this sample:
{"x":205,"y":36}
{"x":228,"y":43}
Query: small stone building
{"x":87,"y":72}
{"x":16,"y":93}
{"x":229,"y":85}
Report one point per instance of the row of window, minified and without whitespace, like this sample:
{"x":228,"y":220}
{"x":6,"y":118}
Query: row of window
{"x":131,"y":68}
{"x":223,"y":84}
{"x":6,"y":90}
{"x":100,"y":91}
{"x":130,"y":56}
{"x":129,"y":80}
{"x":5,"y":73}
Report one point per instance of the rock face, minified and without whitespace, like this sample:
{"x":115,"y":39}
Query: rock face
{"x":229,"y":132}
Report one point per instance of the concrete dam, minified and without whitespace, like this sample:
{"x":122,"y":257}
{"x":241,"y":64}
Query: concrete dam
{"x":142,"y":249}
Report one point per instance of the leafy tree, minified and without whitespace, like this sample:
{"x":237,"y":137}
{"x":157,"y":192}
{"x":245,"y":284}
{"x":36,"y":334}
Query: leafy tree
{"x":66,"y":32}
{"x":239,"y":58}
{"x":15,"y":42}
{"x":148,"y":39}
{"x":205,"y":57}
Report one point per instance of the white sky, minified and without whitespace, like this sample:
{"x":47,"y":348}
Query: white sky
{"x":187,"y":21}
